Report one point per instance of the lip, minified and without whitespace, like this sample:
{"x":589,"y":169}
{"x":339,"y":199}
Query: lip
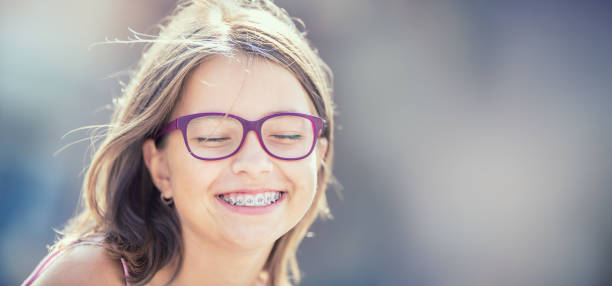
{"x":249,"y":191}
{"x":252,"y":210}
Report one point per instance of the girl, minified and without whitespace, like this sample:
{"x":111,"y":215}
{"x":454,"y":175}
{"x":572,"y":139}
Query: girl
{"x":216,"y":160}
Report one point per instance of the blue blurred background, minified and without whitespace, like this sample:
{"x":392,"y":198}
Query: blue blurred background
{"x":474,"y":144}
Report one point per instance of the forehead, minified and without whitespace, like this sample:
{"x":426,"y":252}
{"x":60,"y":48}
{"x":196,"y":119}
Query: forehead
{"x":247,"y":87}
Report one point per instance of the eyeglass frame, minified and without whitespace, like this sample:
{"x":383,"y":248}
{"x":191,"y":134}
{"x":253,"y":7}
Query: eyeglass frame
{"x":181,"y":123}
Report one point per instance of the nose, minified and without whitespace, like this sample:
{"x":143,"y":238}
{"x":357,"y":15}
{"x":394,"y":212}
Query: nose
{"x":251,"y":159}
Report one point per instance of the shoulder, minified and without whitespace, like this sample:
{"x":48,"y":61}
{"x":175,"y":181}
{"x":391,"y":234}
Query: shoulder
{"x":82,"y":265}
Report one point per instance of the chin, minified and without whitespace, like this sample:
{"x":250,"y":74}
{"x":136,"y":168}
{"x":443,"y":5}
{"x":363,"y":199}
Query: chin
{"x":253,"y":239}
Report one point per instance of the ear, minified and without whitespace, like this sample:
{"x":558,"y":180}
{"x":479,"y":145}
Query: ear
{"x":157,"y":163}
{"x":321,"y":151}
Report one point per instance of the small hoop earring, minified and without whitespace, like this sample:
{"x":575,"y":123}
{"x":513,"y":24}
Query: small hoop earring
{"x":166,"y":201}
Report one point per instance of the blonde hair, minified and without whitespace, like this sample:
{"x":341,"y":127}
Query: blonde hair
{"x":119,"y":199}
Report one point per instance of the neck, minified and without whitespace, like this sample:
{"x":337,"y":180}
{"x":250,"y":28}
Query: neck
{"x":209,"y":264}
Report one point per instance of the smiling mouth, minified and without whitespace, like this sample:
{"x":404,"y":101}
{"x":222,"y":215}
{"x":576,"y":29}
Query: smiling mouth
{"x":252,"y":200}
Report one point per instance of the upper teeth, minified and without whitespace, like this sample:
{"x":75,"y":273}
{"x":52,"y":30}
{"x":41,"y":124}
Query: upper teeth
{"x":261,"y":199}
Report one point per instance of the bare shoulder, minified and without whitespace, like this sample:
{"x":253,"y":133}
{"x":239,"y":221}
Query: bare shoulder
{"x":82,"y":265}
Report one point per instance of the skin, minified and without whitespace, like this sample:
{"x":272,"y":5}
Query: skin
{"x":83,"y":265}
{"x":239,"y":243}
{"x":221,"y":247}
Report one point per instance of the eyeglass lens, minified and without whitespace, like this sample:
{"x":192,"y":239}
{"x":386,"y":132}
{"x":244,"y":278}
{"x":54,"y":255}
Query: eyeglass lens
{"x":217,"y":136}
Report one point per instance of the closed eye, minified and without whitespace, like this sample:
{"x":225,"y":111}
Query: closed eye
{"x":292,"y":137}
{"x":212,"y":139}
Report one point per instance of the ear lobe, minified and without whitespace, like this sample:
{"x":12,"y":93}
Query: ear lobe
{"x":156,"y":163}
{"x":321,"y":150}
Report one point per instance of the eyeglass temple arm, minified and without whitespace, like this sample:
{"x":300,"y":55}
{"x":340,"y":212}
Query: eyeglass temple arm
{"x":171,"y":126}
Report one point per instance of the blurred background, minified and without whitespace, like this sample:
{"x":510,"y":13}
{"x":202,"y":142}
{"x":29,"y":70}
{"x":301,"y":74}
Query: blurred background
{"x":473,"y":145}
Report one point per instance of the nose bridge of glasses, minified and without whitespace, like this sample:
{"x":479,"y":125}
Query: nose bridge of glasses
{"x":255,"y":127}
{"x":250,"y":125}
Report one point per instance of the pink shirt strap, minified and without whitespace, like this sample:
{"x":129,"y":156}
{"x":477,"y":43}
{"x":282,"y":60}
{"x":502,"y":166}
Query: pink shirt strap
{"x":125,"y":271}
{"x":42,"y":266}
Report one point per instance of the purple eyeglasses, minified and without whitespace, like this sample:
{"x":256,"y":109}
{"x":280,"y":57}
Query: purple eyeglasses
{"x":216,"y":136}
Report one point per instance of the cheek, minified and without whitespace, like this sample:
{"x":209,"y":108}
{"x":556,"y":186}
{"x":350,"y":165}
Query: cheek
{"x":304,"y":177}
{"x":193,"y":179}
{"x":189,"y":176}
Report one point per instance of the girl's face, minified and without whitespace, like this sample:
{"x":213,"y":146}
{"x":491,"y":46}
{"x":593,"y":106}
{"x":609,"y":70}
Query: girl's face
{"x":251,"y":91}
